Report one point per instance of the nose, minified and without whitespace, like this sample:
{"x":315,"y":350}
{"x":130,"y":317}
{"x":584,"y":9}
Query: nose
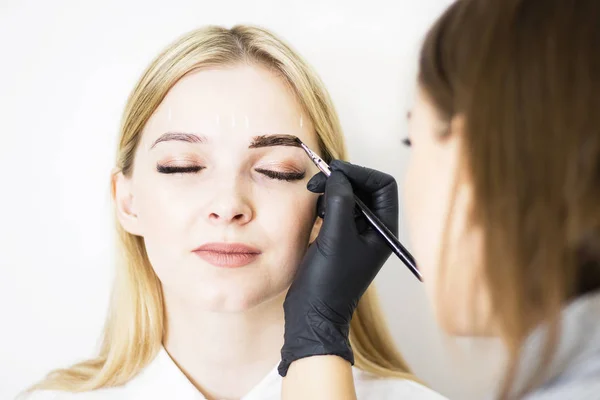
{"x":230,"y":206}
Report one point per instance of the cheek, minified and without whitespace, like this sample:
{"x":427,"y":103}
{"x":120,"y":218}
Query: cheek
{"x":428,"y":192}
{"x":163,"y":208}
{"x":166,"y":215}
{"x":424,"y":199}
{"x":288,"y":217}
{"x":451,"y":283}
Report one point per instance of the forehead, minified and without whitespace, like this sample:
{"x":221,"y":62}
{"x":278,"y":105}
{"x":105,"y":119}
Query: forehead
{"x":236,"y":100}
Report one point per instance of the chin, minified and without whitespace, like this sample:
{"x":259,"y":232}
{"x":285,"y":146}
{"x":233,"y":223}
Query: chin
{"x":236,"y":299}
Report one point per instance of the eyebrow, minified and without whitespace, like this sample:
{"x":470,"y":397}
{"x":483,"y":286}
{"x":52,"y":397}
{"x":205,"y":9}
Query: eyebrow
{"x":257,"y":141}
{"x":179,"y":136}
{"x":274,"y":140}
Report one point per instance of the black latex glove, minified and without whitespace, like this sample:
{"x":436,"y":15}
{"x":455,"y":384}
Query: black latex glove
{"x":340,"y":265}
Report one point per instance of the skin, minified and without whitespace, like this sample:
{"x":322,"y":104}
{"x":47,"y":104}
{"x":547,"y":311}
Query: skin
{"x":438,"y":197}
{"x":319,"y":377}
{"x":225,"y":325}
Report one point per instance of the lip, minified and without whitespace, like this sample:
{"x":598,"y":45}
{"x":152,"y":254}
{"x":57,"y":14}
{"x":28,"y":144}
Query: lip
{"x":227,"y":255}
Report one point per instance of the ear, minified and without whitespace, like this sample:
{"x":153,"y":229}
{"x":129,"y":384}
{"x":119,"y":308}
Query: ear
{"x":315,"y":229}
{"x":124,"y":202}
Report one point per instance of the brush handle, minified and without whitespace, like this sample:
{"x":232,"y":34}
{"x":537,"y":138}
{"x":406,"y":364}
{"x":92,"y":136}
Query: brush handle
{"x":401,"y":252}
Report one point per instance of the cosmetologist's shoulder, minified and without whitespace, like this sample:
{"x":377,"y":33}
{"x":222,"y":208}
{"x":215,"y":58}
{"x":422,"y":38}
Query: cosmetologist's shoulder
{"x":372,"y":387}
{"x":584,"y":389}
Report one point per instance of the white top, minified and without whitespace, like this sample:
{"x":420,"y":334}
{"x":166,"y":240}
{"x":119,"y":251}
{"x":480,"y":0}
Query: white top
{"x":574,"y":372}
{"x":162,"y":379}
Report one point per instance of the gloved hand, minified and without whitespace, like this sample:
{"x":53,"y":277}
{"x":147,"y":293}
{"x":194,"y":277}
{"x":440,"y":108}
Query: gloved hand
{"x":340,"y":265}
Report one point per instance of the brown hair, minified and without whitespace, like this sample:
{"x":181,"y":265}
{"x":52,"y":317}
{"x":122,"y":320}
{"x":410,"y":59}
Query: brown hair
{"x":525,"y":76}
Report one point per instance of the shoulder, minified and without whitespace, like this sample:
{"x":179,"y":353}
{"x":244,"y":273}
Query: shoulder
{"x":161,"y":379}
{"x":583,"y":389}
{"x":99,"y":394}
{"x":370,"y":386}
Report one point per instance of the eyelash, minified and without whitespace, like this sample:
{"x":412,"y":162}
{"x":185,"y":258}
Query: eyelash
{"x":282,"y":176}
{"x":407,"y":142}
{"x":168,"y":169}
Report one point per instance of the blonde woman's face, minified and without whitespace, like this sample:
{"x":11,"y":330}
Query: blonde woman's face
{"x":221,"y":203}
{"x":438,"y":198}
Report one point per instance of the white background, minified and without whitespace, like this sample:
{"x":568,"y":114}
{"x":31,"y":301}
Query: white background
{"x":65,"y":72}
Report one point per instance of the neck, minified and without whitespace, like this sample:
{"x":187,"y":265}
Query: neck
{"x":225,"y":354}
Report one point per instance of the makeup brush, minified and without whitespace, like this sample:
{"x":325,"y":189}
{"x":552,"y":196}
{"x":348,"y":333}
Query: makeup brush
{"x":399,"y":250}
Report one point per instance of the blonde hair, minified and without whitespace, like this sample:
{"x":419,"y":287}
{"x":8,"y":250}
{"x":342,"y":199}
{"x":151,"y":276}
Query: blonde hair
{"x":135,"y":323}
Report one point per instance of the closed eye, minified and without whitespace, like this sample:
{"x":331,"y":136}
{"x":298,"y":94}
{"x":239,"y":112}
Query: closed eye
{"x":282,"y":176}
{"x":171,"y":169}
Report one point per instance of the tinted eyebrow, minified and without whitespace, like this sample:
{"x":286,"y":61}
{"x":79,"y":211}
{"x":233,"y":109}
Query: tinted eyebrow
{"x":274,"y":140}
{"x":179,"y":136}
